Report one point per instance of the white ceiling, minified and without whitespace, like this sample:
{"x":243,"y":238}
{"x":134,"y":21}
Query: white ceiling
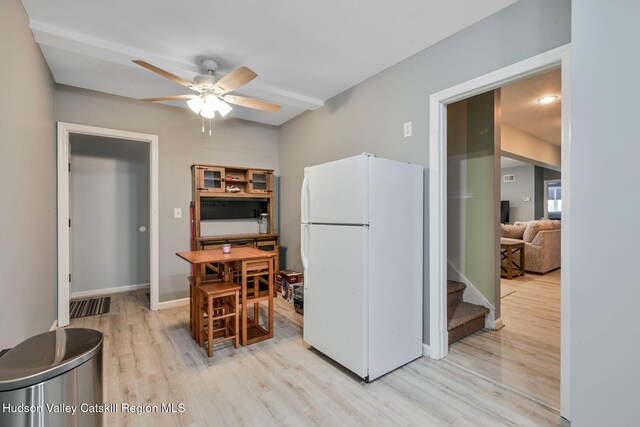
{"x":521,"y":110}
{"x":304,"y":52}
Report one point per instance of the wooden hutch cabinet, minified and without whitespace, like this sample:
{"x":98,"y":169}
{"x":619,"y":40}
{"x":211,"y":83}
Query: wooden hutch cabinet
{"x":229,"y":192}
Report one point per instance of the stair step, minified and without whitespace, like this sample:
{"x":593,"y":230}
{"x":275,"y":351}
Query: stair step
{"x":453,"y":286}
{"x":454,"y":297}
{"x":466,"y":312}
{"x":466,"y":320}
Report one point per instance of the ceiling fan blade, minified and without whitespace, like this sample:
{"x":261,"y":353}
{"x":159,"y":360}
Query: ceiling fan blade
{"x":232,"y":81}
{"x":256,"y":104}
{"x":165,"y":74}
{"x":169,"y":98}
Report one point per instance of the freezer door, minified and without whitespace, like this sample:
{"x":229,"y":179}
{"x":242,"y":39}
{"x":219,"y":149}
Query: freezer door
{"x":337,"y":192}
{"x":335,"y":309}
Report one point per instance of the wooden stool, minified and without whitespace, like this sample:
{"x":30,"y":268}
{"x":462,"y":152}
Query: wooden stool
{"x":194,"y":302}
{"x":252,"y":277}
{"x":221,"y":302}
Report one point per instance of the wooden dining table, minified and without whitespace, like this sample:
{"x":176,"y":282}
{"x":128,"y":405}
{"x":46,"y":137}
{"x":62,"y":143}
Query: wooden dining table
{"x":240,"y":256}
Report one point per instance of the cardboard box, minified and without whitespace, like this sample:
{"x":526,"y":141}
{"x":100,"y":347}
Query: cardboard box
{"x":288,"y":290}
{"x":292,"y":276}
{"x":298,"y":299}
{"x":287,"y":281}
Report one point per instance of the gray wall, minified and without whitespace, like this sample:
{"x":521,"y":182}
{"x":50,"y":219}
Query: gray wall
{"x":109,"y":194}
{"x":27,"y":182}
{"x":181,"y":143}
{"x":605,"y":291}
{"x":369,"y":116}
{"x":515,"y":191}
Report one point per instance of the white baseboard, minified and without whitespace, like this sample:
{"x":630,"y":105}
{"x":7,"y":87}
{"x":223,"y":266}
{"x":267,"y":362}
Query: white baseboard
{"x":173,"y":303}
{"x":108,"y":291}
{"x":474,"y":296}
{"x":498,"y":324}
{"x":54,"y":326}
{"x":425,"y":350}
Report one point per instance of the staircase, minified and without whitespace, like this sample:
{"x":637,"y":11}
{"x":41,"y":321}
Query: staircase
{"x":463,"y":318}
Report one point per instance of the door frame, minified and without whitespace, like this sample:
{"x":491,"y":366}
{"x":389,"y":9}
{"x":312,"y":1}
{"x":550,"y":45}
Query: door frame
{"x":63,"y":215}
{"x":438,"y":336}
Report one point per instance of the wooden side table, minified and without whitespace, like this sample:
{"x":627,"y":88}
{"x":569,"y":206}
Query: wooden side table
{"x":508,"y":248}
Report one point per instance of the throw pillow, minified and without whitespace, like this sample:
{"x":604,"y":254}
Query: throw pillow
{"x":530,"y":233}
{"x":512,"y":231}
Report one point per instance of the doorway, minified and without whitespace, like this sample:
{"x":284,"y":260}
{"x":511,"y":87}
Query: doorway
{"x":438,"y":334}
{"x":112,"y":245}
{"x":109,"y":202}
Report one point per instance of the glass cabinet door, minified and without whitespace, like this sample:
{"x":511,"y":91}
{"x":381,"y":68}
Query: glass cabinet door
{"x":260,"y":182}
{"x":212,"y":180}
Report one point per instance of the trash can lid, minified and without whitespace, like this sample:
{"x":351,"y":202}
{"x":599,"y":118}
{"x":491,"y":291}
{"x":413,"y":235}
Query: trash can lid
{"x":47,"y":355}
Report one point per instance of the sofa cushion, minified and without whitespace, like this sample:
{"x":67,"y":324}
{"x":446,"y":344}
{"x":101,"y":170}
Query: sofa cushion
{"x":512,"y":231}
{"x":533,"y":227}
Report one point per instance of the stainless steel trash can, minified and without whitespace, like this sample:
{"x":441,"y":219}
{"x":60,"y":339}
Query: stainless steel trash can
{"x":53,"y":379}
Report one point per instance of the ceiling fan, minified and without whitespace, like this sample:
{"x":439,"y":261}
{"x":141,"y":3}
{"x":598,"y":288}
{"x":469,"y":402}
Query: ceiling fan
{"x":213,"y":95}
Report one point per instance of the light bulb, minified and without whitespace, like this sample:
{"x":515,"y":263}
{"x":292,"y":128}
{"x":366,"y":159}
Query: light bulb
{"x":210,"y":107}
{"x":195,"y":104}
{"x":547,"y":99}
{"x":223,"y":108}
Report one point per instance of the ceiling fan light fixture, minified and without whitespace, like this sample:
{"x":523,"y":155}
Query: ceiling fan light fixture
{"x":223,"y":108}
{"x":196,"y":104}
{"x":210,"y":107}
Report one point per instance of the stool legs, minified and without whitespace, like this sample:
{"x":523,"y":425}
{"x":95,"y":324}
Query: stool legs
{"x":219,"y":310}
{"x":210,"y":325}
{"x":236,"y":329}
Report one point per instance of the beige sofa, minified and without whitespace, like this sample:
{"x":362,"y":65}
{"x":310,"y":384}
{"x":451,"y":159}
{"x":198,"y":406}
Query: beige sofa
{"x":541,"y":243}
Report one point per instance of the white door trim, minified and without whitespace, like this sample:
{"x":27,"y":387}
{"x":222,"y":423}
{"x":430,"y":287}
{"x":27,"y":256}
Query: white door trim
{"x":438,"y":335}
{"x":64,"y":258}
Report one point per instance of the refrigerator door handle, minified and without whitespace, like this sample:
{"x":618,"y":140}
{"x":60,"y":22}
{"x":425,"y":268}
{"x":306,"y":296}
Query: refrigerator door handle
{"x":304,"y":198}
{"x":304,"y":240}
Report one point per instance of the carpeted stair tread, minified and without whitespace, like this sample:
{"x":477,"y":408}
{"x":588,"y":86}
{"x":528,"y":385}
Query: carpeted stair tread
{"x":464,"y":313}
{"x":453,"y":286}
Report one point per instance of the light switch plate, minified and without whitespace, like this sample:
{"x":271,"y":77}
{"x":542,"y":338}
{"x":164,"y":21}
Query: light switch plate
{"x":408,"y":131}
{"x":177,"y":212}
{"x":526,"y":199}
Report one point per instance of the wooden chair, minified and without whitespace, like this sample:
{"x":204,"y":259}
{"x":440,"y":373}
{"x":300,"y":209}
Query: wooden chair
{"x":221,"y":303}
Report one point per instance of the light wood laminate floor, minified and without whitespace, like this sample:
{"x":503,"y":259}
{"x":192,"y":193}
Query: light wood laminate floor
{"x":150,"y":358}
{"x":525,"y":354}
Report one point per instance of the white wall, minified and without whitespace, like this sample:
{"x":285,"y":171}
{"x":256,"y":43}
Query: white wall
{"x":110,"y":200}
{"x":370,"y":116}
{"x":181,"y":143}
{"x":516,"y":191}
{"x":27,"y":182}
{"x":605,"y":289}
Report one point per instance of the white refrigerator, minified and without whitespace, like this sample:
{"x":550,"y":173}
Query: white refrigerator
{"x":362,"y":253}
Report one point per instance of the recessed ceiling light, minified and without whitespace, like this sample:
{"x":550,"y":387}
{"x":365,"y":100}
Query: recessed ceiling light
{"x":547,"y":99}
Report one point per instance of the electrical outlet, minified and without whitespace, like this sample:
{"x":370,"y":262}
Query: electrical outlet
{"x":407,"y":129}
{"x":177,"y":212}
{"x":526,"y":199}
